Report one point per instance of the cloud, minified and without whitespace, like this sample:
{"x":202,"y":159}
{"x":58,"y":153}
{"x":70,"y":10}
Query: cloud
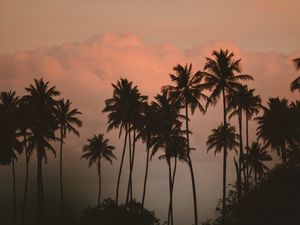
{"x":84,"y":71}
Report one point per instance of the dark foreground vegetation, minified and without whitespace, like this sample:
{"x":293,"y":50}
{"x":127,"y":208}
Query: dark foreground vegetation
{"x":30,"y":124}
{"x":274,"y":201}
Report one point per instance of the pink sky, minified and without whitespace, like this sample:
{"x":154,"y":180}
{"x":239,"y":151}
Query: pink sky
{"x":87,"y":46}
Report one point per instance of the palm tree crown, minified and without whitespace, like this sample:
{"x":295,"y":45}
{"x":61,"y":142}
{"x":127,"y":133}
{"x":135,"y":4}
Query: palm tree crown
{"x":222,"y":136}
{"x":220,"y":74}
{"x":255,"y":159}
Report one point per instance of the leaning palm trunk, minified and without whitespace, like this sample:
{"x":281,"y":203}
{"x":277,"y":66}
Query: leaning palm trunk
{"x":26,"y":181}
{"x":121,"y":166}
{"x":14,"y":189}
{"x":170,"y":213}
{"x":173,"y":181}
{"x":146,"y":172}
{"x":190,"y":164}
{"x":61,"y":176}
{"x":224,"y":158}
{"x":130,"y":166}
{"x":99,"y":176}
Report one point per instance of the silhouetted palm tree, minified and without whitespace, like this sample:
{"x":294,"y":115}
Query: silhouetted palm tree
{"x":235,"y":102}
{"x":255,"y":159}
{"x":122,"y":110}
{"x":220,"y":78}
{"x":96,"y":149}
{"x":276,"y":127}
{"x":66,"y":119}
{"x":25,"y":120}
{"x":166,"y":134}
{"x":42,"y":130}
{"x":295,"y":85}
{"x":9,"y":143}
{"x":147,"y":130}
{"x":223,"y":137}
{"x":188,"y":91}
{"x":239,"y":101}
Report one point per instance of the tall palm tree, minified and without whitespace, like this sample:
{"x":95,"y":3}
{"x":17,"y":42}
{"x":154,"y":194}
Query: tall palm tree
{"x":116,"y":107}
{"x":242,"y":101}
{"x":66,"y":119}
{"x":167,"y":129}
{"x":96,"y":149}
{"x":25,"y":120}
{"x":137,"y":106}
{"x":276,"y":127}
{"x":188,"y":90}
{"x":235,"y":102}
{"x":10,"y":145}
{"x":123,"y":108}
{"x":223,"y":137}
{"x":220,"y":78}
{"x":255,"y":159}
{"x":42,"y":104}
{"x":295,"y":85}
{"x":148,"y":129}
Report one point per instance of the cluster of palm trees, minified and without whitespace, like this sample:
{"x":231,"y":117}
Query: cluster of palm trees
{"x":164,"y":123}
{"x":32,"y":123}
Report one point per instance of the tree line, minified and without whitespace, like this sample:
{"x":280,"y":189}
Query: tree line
{"x":33,"y":122}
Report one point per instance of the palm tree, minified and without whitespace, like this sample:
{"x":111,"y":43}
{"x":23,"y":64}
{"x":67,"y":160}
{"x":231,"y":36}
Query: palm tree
{"x":295,"y":85}
{"x":96,"y":149}
{"x":188,"y":89}
{"x":42,"y":130}
{"x":239,"y":101}
{"x":223,"y":137}
{"x":255,"y":159}
{"x":115,"y":107}
{"x":220,"y":78}
{"x":123,"y":108}
{"x":277,"y":127}
{"x":166,"y":133}
{"x":148,"y":129}
{"x":10,"y":145}
{"x":25,"y":120}
{"x":66,"y":119}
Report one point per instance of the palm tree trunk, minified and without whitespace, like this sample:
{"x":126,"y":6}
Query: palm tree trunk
{"x":61,"y":177}
{"x":224,"y":157}
{"x":146,"y":172}
{"x":99,"y":176}
{"x":240,"y":157}
{"x":26,"y":180}
{"x":247,"y":146}
{"x":170,"y":218}
{"x":121,"y":167}
{"x":173,"y":181}
{"x":39,"y":189}
{"x":14,"y":189}
{"x":130,"y":156}
{"x":190,"y":163}
{"x":131,"y":165}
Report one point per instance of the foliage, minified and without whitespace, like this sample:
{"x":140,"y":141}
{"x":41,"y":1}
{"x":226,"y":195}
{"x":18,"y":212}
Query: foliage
{"x":109,"y":213}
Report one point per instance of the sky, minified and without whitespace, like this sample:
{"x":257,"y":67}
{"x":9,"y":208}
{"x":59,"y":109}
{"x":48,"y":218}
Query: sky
{"x":82,"y":47}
